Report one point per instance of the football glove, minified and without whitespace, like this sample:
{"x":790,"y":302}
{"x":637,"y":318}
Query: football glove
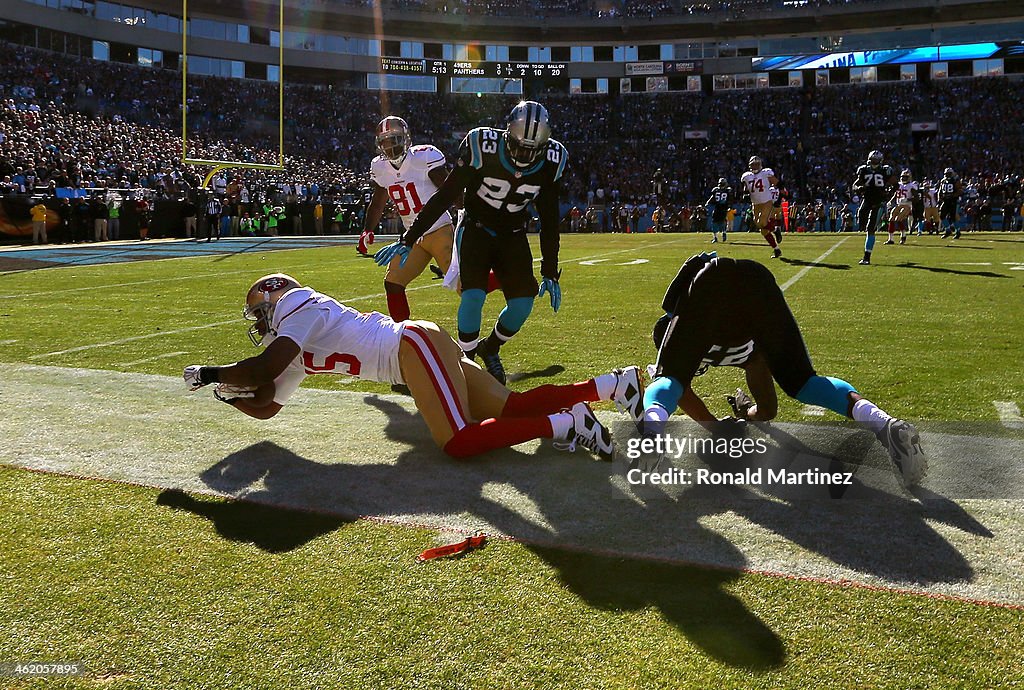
{"x":551,"y":286}
{"x":192,"y":377}
{"x":740,"y":403}
{"x":229,"y":394}
{"x":384,"y":256}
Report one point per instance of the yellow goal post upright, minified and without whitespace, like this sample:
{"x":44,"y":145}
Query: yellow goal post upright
{"x":223,"y":165}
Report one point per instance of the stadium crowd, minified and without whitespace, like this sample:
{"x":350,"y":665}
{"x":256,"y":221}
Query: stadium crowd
{"x":600,"y":9}
{"x":67,"y":123}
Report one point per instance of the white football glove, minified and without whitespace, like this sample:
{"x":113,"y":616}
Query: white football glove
{"x":191,"y":377}
{"x":227,"y":393}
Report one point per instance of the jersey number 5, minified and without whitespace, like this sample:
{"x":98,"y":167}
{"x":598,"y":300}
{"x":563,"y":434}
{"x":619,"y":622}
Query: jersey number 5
{"x":406,"y":199}
{"x":495,"y":192}
{"x":337,"y":363}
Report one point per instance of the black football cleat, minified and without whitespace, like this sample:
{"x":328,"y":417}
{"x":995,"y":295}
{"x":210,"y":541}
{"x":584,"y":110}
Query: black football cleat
{"x":492,"y":362}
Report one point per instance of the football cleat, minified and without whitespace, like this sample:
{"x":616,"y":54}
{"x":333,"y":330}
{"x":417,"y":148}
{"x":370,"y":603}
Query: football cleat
{"x":629,"y":394}
{"x":436,"y":270}
{"x":725,"y":238}
{"x":777,"y":253}
{"x":903,"y":442}
{"x":587,"y":432}
{"x":865,"y":262}
{"x":888,"y":242}
{"x":903,"y":240}
{"x":491,"y":361}
{"x":740,"y":403}
{"x":714,"y":240}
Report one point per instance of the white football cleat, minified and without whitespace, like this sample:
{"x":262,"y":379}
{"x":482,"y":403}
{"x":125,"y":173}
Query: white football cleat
{"x":587,"y":432}
{"x":903,"y":442}
{"x":629,"y":394}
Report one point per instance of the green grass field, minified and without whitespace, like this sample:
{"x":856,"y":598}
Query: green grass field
{"x":157,"y":589}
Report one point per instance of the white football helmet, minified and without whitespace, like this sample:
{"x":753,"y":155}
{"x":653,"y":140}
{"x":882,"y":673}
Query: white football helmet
{"x":393,"y":139}
{"x":905,"y":176}
{"x":261,"y":300}
{"x":528,"y":132}
{"x":755,"y":164}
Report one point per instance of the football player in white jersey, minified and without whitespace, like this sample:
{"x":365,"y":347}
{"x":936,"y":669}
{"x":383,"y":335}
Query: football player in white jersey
{"x":467,"y":411}
{"x":408,"y":176}
{"x":902,"y":203}
{"x":757,"y":183}
{"x":931,"y":208}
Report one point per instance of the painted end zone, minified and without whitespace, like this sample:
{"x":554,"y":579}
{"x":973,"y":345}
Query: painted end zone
{"x":353,"y":454}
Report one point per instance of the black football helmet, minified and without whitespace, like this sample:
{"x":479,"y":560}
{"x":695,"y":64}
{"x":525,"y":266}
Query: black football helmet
{"x":875,"y":158}
{"x":528,"y":133}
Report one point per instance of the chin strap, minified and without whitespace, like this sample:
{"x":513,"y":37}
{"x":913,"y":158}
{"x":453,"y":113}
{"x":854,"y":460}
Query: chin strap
{"x":461,"y":548}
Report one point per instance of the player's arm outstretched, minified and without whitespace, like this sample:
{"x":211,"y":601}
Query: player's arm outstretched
{"x":248,"y":385}
{"x":447,"y":194}
{"x":547,"y":209}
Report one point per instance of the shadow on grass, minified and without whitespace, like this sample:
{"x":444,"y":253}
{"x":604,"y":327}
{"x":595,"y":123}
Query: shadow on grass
{"x":819,"y":264}
{"x":954,"y":271}
{"x":272,"y":529}
{"x":274,"y":481}
{"x":691,"y":598}
{"x":553,"y":370}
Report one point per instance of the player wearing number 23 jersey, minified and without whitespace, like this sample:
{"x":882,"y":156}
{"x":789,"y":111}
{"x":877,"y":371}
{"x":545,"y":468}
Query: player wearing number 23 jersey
{"x":503,"y":173}
{"x":407,"y":176}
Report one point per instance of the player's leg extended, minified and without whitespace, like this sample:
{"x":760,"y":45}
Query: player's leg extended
{"x":398,"y":277}
{"x":867,"y":217}
{"x":439,"y":245}
{"x":475,"y":245}
{"x":513,"y":264}
{"x":903,"y":221}
{"x":762,"y":212}
{"x":432,"y":365}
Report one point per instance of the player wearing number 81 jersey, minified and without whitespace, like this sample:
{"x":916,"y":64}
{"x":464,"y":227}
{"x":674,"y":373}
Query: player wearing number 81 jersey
{"x":407,"y":176}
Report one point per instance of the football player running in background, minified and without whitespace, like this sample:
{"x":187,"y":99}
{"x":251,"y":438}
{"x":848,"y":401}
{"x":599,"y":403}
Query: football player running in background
{"x":930,"y":197}
{"x":718,"y":204}
{"x":949,"y":189}
{"x":729,"y":312}
{"x":873,"y":181}
{"x":757,"y":183}
{"x":467,"y":411}
{"x":903,"y":198}
{"x":502,"y":173}
{"x":407,"y":175}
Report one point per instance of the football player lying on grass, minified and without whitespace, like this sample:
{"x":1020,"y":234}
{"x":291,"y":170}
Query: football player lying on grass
{"x":728,"y":312}
{"x":466,"y":410}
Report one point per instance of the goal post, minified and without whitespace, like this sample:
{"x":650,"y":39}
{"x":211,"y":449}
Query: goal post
{"x":218,"y":165}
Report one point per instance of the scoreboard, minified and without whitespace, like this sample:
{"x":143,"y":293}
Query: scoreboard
{"x":455,"y":68}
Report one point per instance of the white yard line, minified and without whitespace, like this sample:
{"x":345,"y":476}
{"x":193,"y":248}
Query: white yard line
{"x":813,"y":411}
{"x":122,"y":341}
{"x":1009,"y":414}
{"x":803,"y":271}
{"x":153,"y":358}
{"x":7,"y":342}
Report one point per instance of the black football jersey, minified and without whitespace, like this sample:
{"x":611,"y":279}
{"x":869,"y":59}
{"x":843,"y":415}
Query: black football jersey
{"x":498,"y":193}
{"x":873,"y":181}
{"x":720,"y":199}
{"x":946,"y":189}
